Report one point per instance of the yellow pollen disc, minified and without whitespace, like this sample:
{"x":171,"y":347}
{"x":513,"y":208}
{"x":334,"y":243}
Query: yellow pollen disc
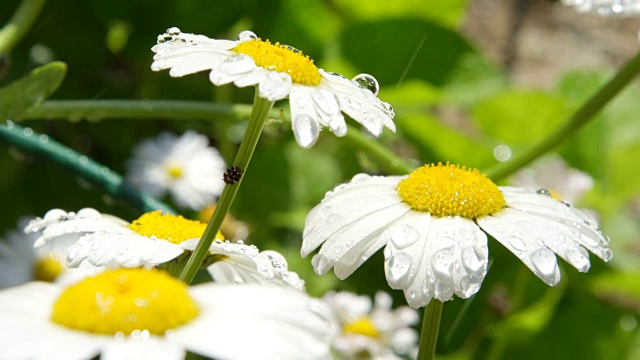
{"x":449,"y":190}
{"x":174,"y":171}
{"x":175,"y":229}
{"x":362,"y":326}
{"x":124,"y":300}
{"x":47,"y":269}
{"x":281,"y":58}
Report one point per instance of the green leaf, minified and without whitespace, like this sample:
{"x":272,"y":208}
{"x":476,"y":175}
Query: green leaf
{"x":31,"y":90}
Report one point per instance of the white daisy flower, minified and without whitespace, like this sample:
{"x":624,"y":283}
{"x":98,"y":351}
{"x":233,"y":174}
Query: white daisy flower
{"x":432,"y":224}
{"x":373,"y":331}
{"x":186,"y":167}
{"x":317,"y":98}
{"x":153,"y":239}
{"x":554,"y":175}
{"x":606,"y":7}
{"x":147,"y":314}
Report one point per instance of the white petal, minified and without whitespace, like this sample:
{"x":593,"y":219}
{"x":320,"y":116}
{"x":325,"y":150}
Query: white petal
{"x":304,"y":118}
{"x":530,"y":202}
{"x":522,"y":235}
{"x":275,"y":86}
{"x":345,"y":204}
{"x":435,"y":257}
{"x":126,"y":250}
{"x":152,"y":347}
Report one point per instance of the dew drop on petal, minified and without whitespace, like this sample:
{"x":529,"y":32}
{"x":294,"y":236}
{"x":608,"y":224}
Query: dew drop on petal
{"x":469,"y":285}
{"x":517,"y":242}
{"x":358,"y":178}
{"x":398,"y":267}
{"x":366,"y":81}
{"x":55,"y":214}
{"x":404,"y":235}
{"x":579,"y":258}
{"x":89,"y":213}
{"x":442,"y":262}
{"x":173,"y":31}
{"x":607,"y":254}
{"x":543,"y":192}
{"x":546,"y":265}
{"x":247,"y":36}
{"x":305,"y":130}
{"x":474,"y":260}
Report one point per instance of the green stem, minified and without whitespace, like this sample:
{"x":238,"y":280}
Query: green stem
{"x":623,"y":77}
{"x":19,"y":24}
{"x":430,"y":329}
{"x":259,"y":114}
{"x":387,"y":159}
{"x":30,"y":141}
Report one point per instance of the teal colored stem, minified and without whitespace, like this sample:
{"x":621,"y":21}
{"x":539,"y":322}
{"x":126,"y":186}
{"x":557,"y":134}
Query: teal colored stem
{"x":389,"y":161}
{"x":590,"y":108}
{"x":259,"y":115}
{"x":75,"y":110}
{"x":19,"y":24}
{"x":430,"y":330}
{"x":30,"y":141}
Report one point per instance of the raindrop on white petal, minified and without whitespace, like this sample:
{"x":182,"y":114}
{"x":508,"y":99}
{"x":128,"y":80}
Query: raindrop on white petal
{"x":543,"y":192}
{"x":305,"y":130}
{"x":579,"y":258}
{"x":607,"y":254}
{"x":358,"y":178}
{"x":247,"y":35}
{"x":442,"y":291}
{"x":55,"y":214}
{"x":398,"y":267}
{"x":474,"y":260}
{"x":354,"y":104}
{"x":89,"y":213}
{"x":469,"y":285}
{"x":404,"y":235}
{"x":545,"y":264}
{"x":173,"y":31}
{"x":368,"y":82}
{"x":442,"y":262}
{"x":517,"y":242}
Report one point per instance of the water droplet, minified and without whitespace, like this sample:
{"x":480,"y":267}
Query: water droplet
{"x":579,"y":258}
{"x":89,"y":213}
{"x":517,"y":241}
{"x":404,"y":235}
{"x":43,"y":139}
{"x":502,"y":152}
{"x":388,"y":109}
{"x":474,"y":260}
{"x":291,"y":48}
{"x":607,"y":254}
{"x":336,"y":74}
{"x":27,"y":131}
{"x":546,"y":265}
{"x":324,"y":212}
{"x":247,"y":35}
{"x":359,"y":178}
{"x":354,"y":104}
{"x":368,"y":82}
{"x":469,"y":285}
{"x":55,"y":215}
{"x":442,"y":262}
{"x":442,"y":291}
{"x":305,"y":130}
{"x":173,"y":31}
{"x":566,"y":203}
{"x":398,"y":267}
{"x":543,"y":192}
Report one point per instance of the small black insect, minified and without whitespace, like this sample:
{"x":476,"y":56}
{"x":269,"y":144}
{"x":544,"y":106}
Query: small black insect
{"x":232,"y":175}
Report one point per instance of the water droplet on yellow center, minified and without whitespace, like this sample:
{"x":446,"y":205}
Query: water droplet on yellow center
{"x":47,"y":269}
{"x":361,"y":326}
{"x":124,"y":300}
{"x":172,"y":228}
{"x":449,"y":190}
{"x":281,"y":58}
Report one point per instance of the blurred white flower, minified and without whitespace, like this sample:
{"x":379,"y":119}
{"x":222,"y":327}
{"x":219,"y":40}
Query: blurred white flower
{"x":317,"y":98}
{"x":146,"y":314}
{"x":432,"y":224}
{"x":186,"y":167}
{"x":373,"y":331}
{"x":606,"y":7}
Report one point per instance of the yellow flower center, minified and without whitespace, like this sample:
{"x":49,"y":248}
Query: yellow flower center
{"x":281,"y":58}
{"x":47,"y":269}
{"x":174,"y":171}
{"x":124,"y":300}
{"x":172,"y":228}
{"x":362,"y":326}
{"x":449,"y":190}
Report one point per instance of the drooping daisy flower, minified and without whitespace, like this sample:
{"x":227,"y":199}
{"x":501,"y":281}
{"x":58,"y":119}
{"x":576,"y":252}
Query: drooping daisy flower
{"x":20,"y":262}
{"x":606,"y":7}
{"x":373,"y":331}
{"x":153,"y":239}
{"x":432,"y":224}
{"x":147,"y":314}
{"x":317,"y":98}
{"x":186,"y":167}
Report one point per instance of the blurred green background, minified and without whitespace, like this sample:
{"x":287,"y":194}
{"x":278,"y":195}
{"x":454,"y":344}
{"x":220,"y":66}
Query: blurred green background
{"x":455,"y":101}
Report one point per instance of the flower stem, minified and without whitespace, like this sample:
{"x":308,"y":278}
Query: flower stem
{"x":387,"y":159}
{"x":623,"y":77}
{"x":25,"y":139}
{"x":19,"y":24}
{"x":430,"y":329}
{"x":259,"y":114}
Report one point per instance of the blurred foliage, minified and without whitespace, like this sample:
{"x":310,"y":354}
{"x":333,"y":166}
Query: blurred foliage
{"x":426,"y":69}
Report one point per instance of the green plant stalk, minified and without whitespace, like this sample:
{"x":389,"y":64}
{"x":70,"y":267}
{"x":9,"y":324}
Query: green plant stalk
{"x":430,"y":329}
{"x":590,"y":108}
{"x":387,"y":159}
{"x":259,"y":115}
{"x":21,"y":21}
{"x":27,"y":140}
